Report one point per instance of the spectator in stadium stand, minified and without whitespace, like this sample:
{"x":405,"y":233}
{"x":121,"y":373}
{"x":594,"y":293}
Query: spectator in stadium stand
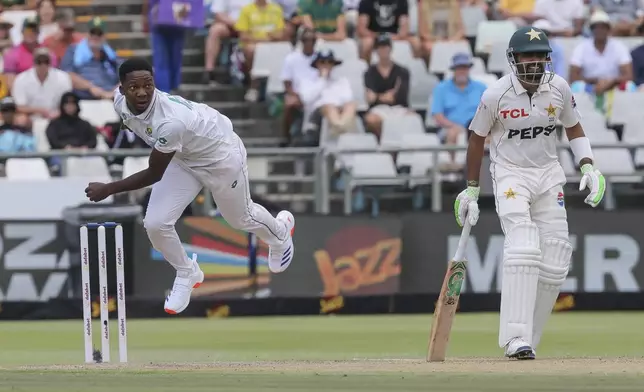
{"x":93,"y":64}
{"x":21,"y":57}
{"x":5,"y":35}
{"x":386,"y":87}
{"x":601,"y":63}
{"x":520,"y":12}
{"x":46,"y":11}
{"x":383,"y":16}
{"x":625,"y":15}
{"x":259,"y":21}
{"x":66,"y":34}
{"x":326,"y":17}
{"x":329,"y":96}
{"x":558,"y":56}
{"x":296,"y":71}
{"x":454,"y":102}
{"x":440,"y":31}
{"x":69,"y":131}
{"x":226,"y":14}
{"x":14,"y":137}
{"x":566,"y":17}
{"x":638,"y":63}
{"x":38,"y":90}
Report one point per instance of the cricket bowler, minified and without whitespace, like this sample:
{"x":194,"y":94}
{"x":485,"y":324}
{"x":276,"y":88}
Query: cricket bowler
{"x":519,"y":112}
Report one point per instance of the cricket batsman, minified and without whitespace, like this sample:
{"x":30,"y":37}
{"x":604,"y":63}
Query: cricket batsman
{"x":519,"y":112}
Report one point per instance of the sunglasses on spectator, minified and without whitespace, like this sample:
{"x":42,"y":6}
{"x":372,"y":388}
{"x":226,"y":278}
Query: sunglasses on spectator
{"x":96,"y":32}
{"x":42,"y":61}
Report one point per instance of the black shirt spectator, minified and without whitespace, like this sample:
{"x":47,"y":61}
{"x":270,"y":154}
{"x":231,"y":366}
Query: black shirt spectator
{"x":387,"y":87}
{"x":638,"y":65}
{"x":384,"y":15}
{"x":69,"y":130}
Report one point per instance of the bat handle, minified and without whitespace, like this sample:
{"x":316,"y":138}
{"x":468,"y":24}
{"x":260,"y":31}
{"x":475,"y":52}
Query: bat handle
{"x":462,"y":242}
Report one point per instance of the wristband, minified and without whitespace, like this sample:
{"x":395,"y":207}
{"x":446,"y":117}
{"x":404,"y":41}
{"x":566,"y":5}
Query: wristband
{"x":580,"y":147}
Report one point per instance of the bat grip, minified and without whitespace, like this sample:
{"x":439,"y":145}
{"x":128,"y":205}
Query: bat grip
{"x":462,"y":242}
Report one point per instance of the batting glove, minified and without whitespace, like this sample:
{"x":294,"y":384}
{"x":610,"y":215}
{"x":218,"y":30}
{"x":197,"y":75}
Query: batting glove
{"x":466,"y":206}
{"x":595,"y":181}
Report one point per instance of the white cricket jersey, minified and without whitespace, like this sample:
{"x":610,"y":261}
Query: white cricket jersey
{"x":198,"y":134}
{"x":522,"y":128}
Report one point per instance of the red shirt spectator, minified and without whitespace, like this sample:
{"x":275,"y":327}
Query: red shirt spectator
{"x":66,"y":34}
{"x":21,"y":57}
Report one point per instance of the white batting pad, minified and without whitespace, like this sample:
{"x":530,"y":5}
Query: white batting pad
{"x":521,"y":260}
{"x":556,"y":255}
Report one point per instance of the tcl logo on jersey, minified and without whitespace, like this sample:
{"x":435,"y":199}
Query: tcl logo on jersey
{"x":514,"y":113}
{"x":531,"y":132}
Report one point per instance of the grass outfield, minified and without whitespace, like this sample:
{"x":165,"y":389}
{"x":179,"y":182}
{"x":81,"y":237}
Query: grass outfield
{"x":580,"y":352}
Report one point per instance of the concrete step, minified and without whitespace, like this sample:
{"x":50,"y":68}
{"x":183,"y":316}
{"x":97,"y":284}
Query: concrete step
{"x":115,"y":23}
{"x":264,"y":132}
{"x":194,"y":74}
{"x":241,"y":110}
{"x":191,"y":57}
{"x":220,"y":92}
{"x":132,"y":40}
{"x":103,"y":8}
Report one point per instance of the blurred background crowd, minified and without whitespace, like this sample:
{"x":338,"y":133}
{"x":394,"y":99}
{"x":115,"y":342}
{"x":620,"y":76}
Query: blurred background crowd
{"x":328,"y":73}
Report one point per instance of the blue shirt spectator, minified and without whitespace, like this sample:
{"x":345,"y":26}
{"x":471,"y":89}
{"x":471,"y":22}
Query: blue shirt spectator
{"x":92,"y":64}
{"x":454,"y":101}
{"x":638,"y":65}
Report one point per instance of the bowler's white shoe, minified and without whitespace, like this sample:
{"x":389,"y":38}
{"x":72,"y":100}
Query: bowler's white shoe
{"x":518,"y":348}
{"x":179,"y":297}
{"x":280,"y":256}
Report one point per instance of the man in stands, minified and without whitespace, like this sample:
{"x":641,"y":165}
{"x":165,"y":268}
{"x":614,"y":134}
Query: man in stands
{"x":386,"y":86}
{"x":326,"y":17}
{"x":21,"y":57}
{"x":297,"y":70}
{"x":259,"y":21}
{"x":66,"y":34}
{"x":226,"y":13}
{"x":382,"y":17}
{"x":92,"y":64}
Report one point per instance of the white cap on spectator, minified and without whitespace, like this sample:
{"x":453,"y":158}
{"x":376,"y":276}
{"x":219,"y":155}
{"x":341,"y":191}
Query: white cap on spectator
{"x":542,"y":24}
{"x":599,"y":16}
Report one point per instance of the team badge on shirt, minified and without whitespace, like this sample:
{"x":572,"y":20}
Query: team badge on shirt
{"x":552,"y":112}
{"x":560,"y":199}
{"x":148,"y":131}
{"x":510,"y":194}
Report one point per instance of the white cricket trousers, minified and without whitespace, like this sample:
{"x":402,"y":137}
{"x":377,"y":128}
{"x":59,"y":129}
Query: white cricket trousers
{"x":227,"y":180}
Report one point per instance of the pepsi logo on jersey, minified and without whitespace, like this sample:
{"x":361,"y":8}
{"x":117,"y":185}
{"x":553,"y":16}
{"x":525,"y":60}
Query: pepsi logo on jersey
{"x":514,"y":113}
{"x":530,"y":132}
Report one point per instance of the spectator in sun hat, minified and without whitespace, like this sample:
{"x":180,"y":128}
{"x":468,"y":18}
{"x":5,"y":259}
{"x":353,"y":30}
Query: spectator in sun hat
{"x":329,"y":96}
{"x":66,"y":34}
{"x":93,"y":64}
{"x":558,"y":56}
{"x":454,"y":101}
{"x":21,"y":57}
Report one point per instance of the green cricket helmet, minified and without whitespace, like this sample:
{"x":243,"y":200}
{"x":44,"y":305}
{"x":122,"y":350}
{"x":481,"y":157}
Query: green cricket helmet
{"x":533,"y":41}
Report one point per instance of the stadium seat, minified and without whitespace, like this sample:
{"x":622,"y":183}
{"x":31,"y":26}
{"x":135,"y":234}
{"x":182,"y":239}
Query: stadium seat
{"x":98,"y":113}
{"x":498,"y":60}
{"x":442,"y":53}
{"x":328,"y":141}
{"x":401,"y":53}
{"x":133,"y":165}
{"x":352,"y":141}
{"x":421,"y":83}
{"x":632,"y":42}
{"x":627,"y":110}
{"x":268,"y":63}
{"x":493,"y":33}
{"x":412,"y":10}
{"x":639,"y":158}
{"x":258,"y":169}
{"x":346,"y":50}
{"x":27,"y":169}
{"x":472,"y":17}
{"x":39,"y":130}
{"x":568,"y":44}
{"x":486,"y":79}
{"x":354,"y":71}
{"x":418,"y":162}
{"x":616,"y":163}
{"x":17,"y":18}
{"x":94,"y":167}
{"x":394,"y":127}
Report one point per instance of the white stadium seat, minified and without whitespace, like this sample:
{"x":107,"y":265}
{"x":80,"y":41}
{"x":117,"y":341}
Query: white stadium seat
{"x":394,"y":127}
{"x":27,"y":169}
{"x":133,"y":165}
{"x":472,"y":16}
{"x":442,"y":53}
{"x":91,"y":167}
{"x":494,"y":33}
{"x":354,"y":71}
{"x":421,"y":84}
{"x":346,"y":50}
{"x":39,"y":130}
{"x":268,"y":63}
{"x":98,"y":113}
{"x":353,"y":141}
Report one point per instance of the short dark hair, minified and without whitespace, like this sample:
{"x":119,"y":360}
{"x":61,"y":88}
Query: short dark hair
{"x":132,"y":65}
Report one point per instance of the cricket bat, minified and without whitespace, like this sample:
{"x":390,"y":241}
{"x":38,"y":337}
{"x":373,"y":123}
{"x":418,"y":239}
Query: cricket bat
{"x":448,"y":300}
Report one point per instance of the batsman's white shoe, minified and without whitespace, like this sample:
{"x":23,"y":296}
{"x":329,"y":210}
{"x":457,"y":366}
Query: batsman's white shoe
{"x":519,"y":349}
{"x":280,"y":256}
{"x":179,"y":297}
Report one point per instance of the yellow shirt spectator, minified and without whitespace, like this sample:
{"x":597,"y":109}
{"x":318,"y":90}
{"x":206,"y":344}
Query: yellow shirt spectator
{"x":516,"y":7}
{"x":259,"y":21}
